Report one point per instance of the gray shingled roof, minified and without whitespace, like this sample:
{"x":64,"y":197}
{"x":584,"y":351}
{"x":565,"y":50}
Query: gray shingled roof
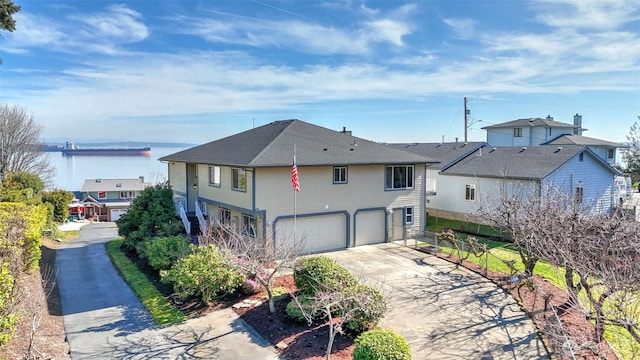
{"x":93,"y":185}
{"x":531,"y":122}
{"x":272,"y":145}
{"x":517,"y":162}
{"x":582,"y":140}
{"x":445,"y":153}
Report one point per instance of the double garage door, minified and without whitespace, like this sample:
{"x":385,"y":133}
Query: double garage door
{"x":329,"y":232}
{"x":115,"y":214}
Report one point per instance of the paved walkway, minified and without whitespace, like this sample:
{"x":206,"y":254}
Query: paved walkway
{"x":444,"y":312}
{"x":103,"y":319}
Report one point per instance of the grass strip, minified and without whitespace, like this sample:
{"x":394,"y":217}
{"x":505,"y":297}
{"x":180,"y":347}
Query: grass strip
{"x":159,"y":308}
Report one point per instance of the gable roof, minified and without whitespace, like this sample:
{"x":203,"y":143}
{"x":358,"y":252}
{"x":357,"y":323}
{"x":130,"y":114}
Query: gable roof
{"x":272,"y":145}
{"x":444,"y":153}
{"x":517,"y":162}
{"x":532,"y":122}
{"x":93,"y":185}
{"x":571,"y":139}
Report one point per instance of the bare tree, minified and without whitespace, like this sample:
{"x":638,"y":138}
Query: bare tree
{"x":631,"y":156}
{"x":20,"y":144}
{"x":342,"y":306}
{"x":256,"y":255}
{"x":600,"y":253}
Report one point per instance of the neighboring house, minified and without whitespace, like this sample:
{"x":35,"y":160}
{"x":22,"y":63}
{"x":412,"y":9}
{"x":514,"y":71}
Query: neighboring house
{"x":607,"y":150}
{"x":108,"y":199}
{"x":353,"y":191}
{"x":480,"y":175}
{"x":444,"y":153}
{"x":532,"y":132}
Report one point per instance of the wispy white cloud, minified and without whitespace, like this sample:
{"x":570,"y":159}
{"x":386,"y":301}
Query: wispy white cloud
{"x":103,"y":32}
{"x":463,"y":28}
{"x":587,"y":14}
{"x":118,"y":23}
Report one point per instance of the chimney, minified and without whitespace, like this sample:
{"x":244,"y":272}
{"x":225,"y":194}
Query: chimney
{"x":345,"y":131}
{"x":549,"y":118}
{"x":141,"y":179}
{"x":456,"y":140}
{"x":577,"y":121}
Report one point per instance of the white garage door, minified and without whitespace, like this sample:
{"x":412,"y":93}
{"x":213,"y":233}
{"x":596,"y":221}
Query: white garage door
{"x":116,"y":213}
{"x":319,"y":233}
{"x":370,"y":227}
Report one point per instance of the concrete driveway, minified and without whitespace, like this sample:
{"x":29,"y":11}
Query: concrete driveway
{"x":442,"y":311}
{"x":103,"y":319}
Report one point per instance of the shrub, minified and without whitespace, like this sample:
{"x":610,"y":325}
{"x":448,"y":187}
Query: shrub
{"x":371,"y":308}
{"x":320,"y":271}
{"x":250,"y":286}
{"x":206,"y":272}
{"x":295,"y":308}
{"x":163,"y":252}
{"x":152,"y":213}
{"x":60,"y":200}
{"x":8,"y":317}
{"x":380,"y":344}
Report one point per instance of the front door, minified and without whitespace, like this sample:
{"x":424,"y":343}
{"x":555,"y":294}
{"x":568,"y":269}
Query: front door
{"x":192,"y":187}
{"x":397,"y":225}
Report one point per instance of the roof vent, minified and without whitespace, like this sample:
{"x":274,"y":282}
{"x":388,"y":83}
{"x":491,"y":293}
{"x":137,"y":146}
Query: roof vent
{"x":523,"y":149}
{"x":479,"y":152}
{"x":98,"y":180}
{"x":558,"y":149}
{"x":119,"y":185}
{"x":325,"y":149}
{"x":493,"y":149}
{"x":549,"y":118}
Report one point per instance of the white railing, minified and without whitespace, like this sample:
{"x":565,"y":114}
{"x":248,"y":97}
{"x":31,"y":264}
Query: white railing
{"x":183,"y":216}
{"x":201,"y":221}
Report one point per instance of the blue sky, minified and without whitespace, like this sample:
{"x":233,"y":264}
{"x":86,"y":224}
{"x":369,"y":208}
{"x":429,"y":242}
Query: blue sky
{"x":390,"y":71}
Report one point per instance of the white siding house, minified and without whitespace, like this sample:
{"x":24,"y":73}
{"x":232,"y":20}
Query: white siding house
{"x":575,"y":169}
{"x":353,"y":191}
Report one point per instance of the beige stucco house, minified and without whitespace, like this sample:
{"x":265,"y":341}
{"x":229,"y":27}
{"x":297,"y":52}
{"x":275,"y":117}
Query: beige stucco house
{"x":353,"y":191}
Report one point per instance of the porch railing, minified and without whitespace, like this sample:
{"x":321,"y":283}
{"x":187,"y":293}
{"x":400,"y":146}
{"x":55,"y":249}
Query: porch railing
{"x":183,"y":216}
{"x":201,"y":221}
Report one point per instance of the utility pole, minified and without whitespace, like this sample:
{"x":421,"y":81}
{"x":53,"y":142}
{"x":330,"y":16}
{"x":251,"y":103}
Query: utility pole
{"x":466,"y":119}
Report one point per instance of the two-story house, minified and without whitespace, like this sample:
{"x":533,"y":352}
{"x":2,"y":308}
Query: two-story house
{"x":352,"y":191}
{"x":108,"y":199}
{"x":547,"y":131}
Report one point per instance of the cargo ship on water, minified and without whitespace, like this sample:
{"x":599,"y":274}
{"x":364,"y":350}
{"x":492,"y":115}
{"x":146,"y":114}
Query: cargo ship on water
{"x":70,"y":149}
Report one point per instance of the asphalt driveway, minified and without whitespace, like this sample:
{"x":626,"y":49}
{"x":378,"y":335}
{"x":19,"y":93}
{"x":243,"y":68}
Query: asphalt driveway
{"x":444,"y":312}
{"x":103,"y":319}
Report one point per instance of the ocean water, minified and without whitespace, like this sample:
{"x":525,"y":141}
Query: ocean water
{"x":71,"y":171}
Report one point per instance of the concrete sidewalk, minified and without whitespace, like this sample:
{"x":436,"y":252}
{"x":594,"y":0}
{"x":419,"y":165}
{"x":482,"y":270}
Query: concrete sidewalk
{"x":103,"y":319}
{"x":443,"y":311}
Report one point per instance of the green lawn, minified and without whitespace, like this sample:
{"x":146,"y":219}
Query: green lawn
{"x":619,"y":339}
{"x":161,"y":310}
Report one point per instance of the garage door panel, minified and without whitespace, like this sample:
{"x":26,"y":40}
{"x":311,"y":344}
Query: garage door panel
{"x":320,"y":233}
{"x":117,"y":213}
{"x":370,"y":227}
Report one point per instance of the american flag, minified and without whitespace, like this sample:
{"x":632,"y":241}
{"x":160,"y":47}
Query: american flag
{"x":294,"y":176}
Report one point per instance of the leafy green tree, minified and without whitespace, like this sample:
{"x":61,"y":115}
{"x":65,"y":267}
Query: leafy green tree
{"x":22,"y":187}
{"x":60,"y":200}
{"x":7,"y":10}
{"x":631,"y":156}
{"x":163,"y":252}
{"x":152,"y":214}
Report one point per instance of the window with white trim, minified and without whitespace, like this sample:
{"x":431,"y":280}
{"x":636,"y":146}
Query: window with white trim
{"x":470,"y":192}
{"x":517,"y":132}
{"x":408,"y":215}
{"x":214,"y":176}
{"x":339,"y":174}
{"x":248,"y":225}
{"x":126,"y":195}
{"x":399,"y":177}
{"x":224,"y":216}
{"x":239,"y":179}
{"x":579,"y":194}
